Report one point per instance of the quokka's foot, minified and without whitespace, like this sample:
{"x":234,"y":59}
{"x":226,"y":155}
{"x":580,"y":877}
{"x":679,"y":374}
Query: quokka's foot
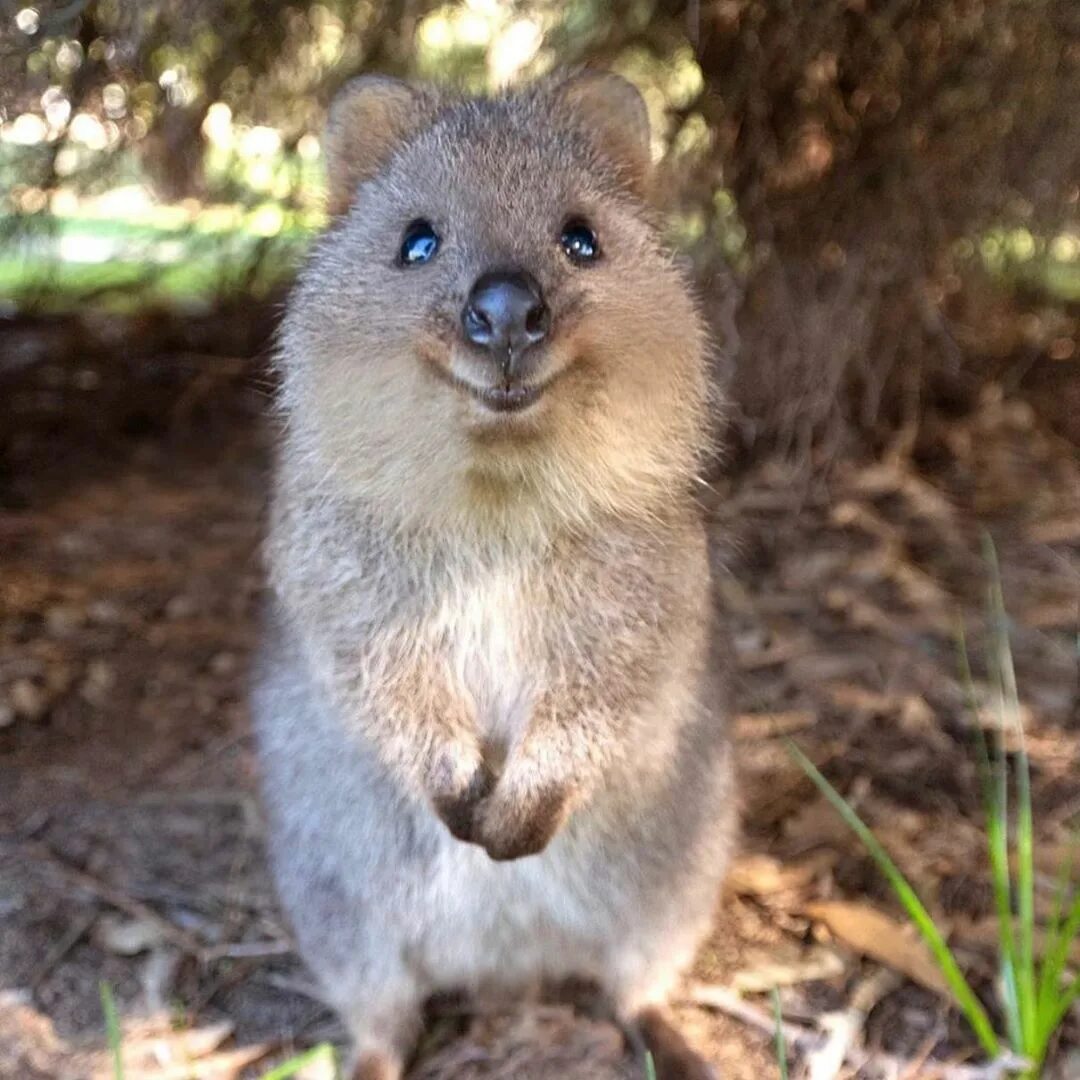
{"x":376,"y":1067}
{"x":673,"y":1056}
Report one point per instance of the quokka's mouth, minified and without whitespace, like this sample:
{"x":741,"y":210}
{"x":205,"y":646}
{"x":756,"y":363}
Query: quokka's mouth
{"x":504,"y":398}
{"x":507,"y":398}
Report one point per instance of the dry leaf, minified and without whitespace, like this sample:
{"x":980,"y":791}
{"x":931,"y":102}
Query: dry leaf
{"x":818,"y":963}
{"x":816,"y":823}
{"x":985,"y":932}
{"x":188,"y":1054}
{"x":763,"y":876}
{"x":228,"y":1065}
{"x":778,"y":653}
{"x":1062,"y":615}
{"x":854,"y":698}
{"x":127,"y":937}
{"x":875,"y":934}
{"x":753,"y":726}
{"x":1065,"y":530}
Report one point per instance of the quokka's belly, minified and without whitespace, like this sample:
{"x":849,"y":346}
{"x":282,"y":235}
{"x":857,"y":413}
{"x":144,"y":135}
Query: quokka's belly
{"x":568,"y":912}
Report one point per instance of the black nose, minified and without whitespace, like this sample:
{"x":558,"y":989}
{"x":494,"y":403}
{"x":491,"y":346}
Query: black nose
{"x":506,"y":315}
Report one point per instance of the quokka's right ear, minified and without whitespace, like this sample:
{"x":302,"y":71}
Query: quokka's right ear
{"x":368,"y":120}
{"x":614,"y":113}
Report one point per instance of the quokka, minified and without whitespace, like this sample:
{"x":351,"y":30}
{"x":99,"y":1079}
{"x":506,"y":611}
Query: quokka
{"x":489,"y":702}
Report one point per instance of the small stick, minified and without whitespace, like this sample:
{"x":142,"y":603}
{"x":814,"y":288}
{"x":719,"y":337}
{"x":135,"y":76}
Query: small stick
{"x":115,"y":898}
{"x":68,"y":942}
{"x":246,"y":950}
{"x":844,"y":1028}
{"x":237,"y":950}
{"x":804,"y":1039}
{"x":720,"y":998}
{"x":922,"y":1054}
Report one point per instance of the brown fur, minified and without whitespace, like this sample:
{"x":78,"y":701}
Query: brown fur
{"x":493,"y":634}
{"x":375,"y":1067}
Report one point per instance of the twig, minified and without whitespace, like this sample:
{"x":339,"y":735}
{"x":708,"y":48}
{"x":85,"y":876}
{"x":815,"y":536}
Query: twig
{"x":804,"y":1040}
{"x":998,"y":1069}
{"x":175,"y":935}
{"x":844,"y":1028}
{"x":727,"y":1001}
{"x":923,"y":1051}
{"x":114,"y":898}
{"x":302,"y":987}
{"x":68,"y":942}
{"x":246,"y":950}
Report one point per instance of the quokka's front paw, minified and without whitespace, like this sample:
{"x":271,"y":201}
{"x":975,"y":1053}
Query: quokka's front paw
{"x":459,"y":783}
{"x":514,"y":822}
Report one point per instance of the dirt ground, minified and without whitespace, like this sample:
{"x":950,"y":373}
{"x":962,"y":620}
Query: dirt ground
{"x":133,"y":476}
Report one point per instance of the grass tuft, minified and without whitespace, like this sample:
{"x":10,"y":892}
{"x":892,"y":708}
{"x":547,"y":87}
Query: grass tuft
{"x":961,"y":990}
{"x":1035,"y":993}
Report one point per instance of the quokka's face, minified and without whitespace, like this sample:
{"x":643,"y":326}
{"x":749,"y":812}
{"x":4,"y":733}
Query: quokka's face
{"x":506,"y":279}
{"x":494,"y":281}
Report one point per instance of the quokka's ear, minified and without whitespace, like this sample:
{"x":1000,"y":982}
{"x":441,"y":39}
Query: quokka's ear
{"x":368,"y":120}
{"x":613,"y":112}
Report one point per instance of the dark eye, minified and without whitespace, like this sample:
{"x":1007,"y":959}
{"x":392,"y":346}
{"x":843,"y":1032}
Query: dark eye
{"x":579,"y":241}
{"x":419,"y":243}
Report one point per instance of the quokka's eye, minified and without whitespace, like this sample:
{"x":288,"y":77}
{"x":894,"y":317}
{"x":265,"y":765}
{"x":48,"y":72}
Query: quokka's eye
{"x":578,"y":240}
{"x":419,"y":243}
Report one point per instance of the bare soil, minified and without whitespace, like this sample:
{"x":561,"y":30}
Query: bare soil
{"x":133,"y":477}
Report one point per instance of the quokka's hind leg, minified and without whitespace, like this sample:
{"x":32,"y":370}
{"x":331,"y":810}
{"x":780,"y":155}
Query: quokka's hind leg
{"x":384,"y":1031}
{"x":673,"y":1056}
{"x":375,"y":1066}
{"x":640,"y":997}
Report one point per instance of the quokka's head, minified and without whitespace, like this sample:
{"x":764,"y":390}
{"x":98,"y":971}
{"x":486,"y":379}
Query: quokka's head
{"x":491,"y":328}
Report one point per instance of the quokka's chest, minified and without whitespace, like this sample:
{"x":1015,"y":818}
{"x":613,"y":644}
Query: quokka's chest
{"x":486,"y":634}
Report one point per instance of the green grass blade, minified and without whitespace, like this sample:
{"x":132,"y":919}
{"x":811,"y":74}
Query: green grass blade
{"x":1009,"y":714}
{"x":916,"y":911}
{"x":288,"y":1069}
{"x":994,"y":781}
{"x":1062,"y":933}
{"x":1025,"y":892}
{"x":650,"y":1066}
{"x":968,"y":682}
{"x":1065,"y":1002}
{"x":1010,"y":1002}
{"x":112,"y":1029}
{"x":781,"y":1044}
{"x":997,"y":837}
{"x":1056,"y":928}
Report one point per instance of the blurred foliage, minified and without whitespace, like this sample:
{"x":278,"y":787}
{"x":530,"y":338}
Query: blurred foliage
{"x":841,"y":172}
